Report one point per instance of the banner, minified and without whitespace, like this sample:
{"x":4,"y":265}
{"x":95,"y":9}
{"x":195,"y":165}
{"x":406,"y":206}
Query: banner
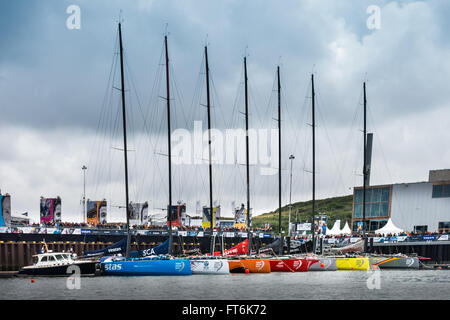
{"x":443,"y":237}
{"x":57,"y":209}
{"x":102,"y":211}
{"x":240,"y":217}
{"x":177,"y":215}
{"x":428,"y":238}
{"x":138,"y":214}
{"x":206,"y":222}
{"x":46,"y":210}
{"x":86,"y":231}
{"x":96,"y":212}
{"x":5,"y":210}
{"x":304,"y":226}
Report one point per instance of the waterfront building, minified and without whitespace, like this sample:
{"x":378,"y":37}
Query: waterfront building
{"x":417,"y":206}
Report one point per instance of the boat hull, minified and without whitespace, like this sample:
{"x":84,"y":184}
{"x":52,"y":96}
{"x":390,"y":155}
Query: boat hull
{"x":395,"y":262}
{"x":291,"y":264}
{"x":252,"y":265}
{"x":324,"y":264}
{"x":218,"y":266}
{"x":352,"y":263}
{"x":85,"y":268}
{"x":146,"y":267}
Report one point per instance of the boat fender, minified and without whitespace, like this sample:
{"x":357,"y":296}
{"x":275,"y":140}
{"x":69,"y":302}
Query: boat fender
{"x":247,"y":271}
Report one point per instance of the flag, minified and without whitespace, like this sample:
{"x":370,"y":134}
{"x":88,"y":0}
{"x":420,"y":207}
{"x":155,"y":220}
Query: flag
{"x":25,"y":214}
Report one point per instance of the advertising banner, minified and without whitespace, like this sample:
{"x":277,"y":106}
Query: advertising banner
{"x":5,"y":210}
{"x":428,"y":238}
{"x":304,"y":226}
{"x":443,"y":237}
{"x":178,"y":214}
{"x":86,"y":231}
{"x":91,"y":212}
{"x":138,"y":214}
{"x":206,"y":222}
{"x":96,"y":212}
{"x":46,"y":210}
{"x":240,"y":217}
{"x":102,"y":211}
{"x":57,"y":209}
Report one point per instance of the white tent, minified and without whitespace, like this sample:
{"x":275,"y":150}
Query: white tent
{"x":346,"y":229}
{"x":336,"y":229}
{"x":389,"y":228}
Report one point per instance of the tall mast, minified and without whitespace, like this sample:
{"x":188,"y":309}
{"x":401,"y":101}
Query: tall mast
{"x":279,"y":161}
{"x":313,"y":164}
{"x":247,"y":158}
{"x":169,"y":209}
{"x":209,"y":146}
{"x":364,"y":166}
{"x":124,"y":142}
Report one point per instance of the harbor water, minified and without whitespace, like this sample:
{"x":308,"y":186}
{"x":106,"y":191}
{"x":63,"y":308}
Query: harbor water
{"x":342,"y":285}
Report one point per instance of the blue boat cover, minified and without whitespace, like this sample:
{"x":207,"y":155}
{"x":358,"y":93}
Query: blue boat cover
{"x":121,"y":247}
{"x":163,"y":248}
{"x":115,"y":248}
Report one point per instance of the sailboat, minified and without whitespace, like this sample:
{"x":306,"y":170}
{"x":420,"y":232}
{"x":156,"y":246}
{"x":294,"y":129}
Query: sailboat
{"x":211,"y":265}
{"x":285,"y":264}
{"x":152,"y":265}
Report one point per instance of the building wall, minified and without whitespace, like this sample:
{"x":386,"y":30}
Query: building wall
{"x":412,"y":205}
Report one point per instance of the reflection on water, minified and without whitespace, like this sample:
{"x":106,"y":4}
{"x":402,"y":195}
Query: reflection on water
{"x":395,"y":284}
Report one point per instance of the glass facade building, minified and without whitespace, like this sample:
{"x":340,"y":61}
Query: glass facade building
{"x":377,"y":207}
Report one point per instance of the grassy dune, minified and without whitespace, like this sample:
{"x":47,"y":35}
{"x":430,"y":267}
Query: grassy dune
{"x":335,"y":209}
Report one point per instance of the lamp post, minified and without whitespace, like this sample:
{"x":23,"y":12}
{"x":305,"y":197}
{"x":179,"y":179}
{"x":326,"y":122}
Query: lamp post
{"x":291,"y":157}
{"x":84,"y":168}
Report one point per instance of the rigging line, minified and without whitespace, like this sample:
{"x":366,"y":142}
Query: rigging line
{"x":132,"y":85}
{"x":349,"y":139}
{"x":156,"y":88}
{"x":318,"y":104}
{"x":103,"y":108}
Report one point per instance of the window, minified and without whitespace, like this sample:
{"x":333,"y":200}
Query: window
{"x":44,"y":259}
{"x":358,"y":211}
{"x":441,"y":191}
{"x":375,"y":211}
{"x":444,"y":226}
{"x":377,"y":202}
{"x":420,"y":229}
{"x":51,"y":258}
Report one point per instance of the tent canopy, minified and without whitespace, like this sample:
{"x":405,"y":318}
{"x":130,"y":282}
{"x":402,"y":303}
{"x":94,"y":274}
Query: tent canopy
{"x":336,"y":228}
{"x":389,"y":227}
{"x":346,"y":229}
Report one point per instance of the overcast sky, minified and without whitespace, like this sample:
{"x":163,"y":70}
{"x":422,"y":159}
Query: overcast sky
{"x":58,"y":108}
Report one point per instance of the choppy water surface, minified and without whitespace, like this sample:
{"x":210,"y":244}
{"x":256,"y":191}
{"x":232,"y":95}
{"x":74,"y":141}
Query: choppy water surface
{"x":395,"y":284}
